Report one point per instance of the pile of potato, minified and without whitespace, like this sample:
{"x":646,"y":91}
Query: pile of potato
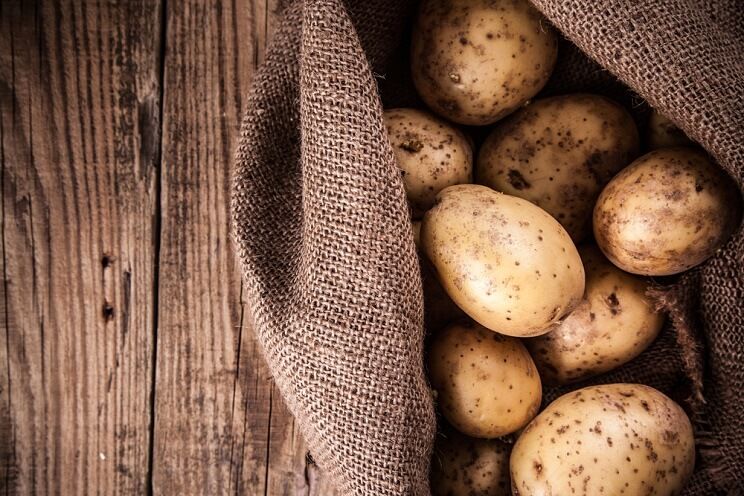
{"x":535,"y":248}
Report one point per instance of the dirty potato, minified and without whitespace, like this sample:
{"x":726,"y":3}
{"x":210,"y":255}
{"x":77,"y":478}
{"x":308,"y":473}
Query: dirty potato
{"x":466,"y":466}
{"x":476,"y":61}
{"x":663,"y":133}
{"x":431,"y":155}
{"x":486,"y":384}
{"x":559,"y":153}
{"x":667,"y":212}
{"x":612,"y":439}
{"x":506,"y":262}
{"x":613,"y":324}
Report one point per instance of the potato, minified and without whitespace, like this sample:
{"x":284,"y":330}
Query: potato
{"x":613,"y":439}
{"x":613,"y":324}
{"x":475,"y":61}
{"x":667,"y":212}
{"x":559,"y":153}
{"x":466,"y":466}
{"x":486,"y":384}
{"x":431,"y":155}
{"x":663,"y":133}
{"x":506,"y":262}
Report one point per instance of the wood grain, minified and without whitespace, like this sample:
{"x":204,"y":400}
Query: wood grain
{"x":126,"y":363}
{"x":220,"y":425}
{"x":80,"y":134}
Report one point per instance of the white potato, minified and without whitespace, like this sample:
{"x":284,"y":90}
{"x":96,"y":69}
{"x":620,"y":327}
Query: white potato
{"x":663,"y":133}
{"x":559,"y":153}
{"x":667,"y":212}
{"x":504,"y":261}
{"x":619,"y":439}
{"x":475,"y":61}
{"x":613,"y":324}
{"x":466,"y":466}
{"x":486,"y":384}
{"x":431,"y":155}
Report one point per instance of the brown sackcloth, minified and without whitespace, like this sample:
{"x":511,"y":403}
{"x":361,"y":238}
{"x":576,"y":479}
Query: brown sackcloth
{"x":324,"y":236}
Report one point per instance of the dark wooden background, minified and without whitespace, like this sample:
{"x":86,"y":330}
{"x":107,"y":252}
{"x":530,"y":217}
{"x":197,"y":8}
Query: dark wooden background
{"x":126,"y":363}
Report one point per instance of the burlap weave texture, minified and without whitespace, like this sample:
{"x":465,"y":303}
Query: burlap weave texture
{"x":324,"y":236}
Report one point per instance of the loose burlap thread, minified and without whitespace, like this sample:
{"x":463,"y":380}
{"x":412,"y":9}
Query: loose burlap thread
{"x":323,"y":232}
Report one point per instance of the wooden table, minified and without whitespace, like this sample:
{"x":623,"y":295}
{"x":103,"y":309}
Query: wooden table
{"x":126,"y":363}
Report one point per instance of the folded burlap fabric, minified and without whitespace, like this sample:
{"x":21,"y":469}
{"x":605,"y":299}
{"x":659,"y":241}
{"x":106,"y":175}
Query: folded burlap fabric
{"x":323,"y":232}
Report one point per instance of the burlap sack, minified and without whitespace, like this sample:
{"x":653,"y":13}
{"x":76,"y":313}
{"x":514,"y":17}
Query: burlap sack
{"x":322,"y":227}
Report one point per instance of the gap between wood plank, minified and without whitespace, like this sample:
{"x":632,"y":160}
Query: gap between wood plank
{"x":157,"y":230}
{"x":235,"y":387}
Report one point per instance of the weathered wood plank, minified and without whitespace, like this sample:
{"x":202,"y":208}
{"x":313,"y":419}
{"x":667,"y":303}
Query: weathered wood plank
{"x":288,"y":470}
{"x":207,"y":64}
{"x":274,"y":456}
{"x":80,"y":135}
{"x":79,"y":138}
{"x":220,"y":424}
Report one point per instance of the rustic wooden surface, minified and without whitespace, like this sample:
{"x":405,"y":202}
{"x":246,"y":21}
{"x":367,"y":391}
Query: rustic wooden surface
{"x":126,"y":362}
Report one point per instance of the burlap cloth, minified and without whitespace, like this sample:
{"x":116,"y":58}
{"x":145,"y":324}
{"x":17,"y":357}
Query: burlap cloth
{"x":324,"y":236}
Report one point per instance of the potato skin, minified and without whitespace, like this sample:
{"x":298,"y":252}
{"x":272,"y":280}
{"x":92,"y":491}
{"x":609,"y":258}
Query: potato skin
{"x":467,"y":466}
{"x":613,"y":324}
{"x":476,"y":61}
{"x":559,"y":153}
{"x":486,"y":384}
{"x":612,"y":439}
{"x":667,"y":212}
{"x":504,"y":261}
{"x":431,"y":155}
{"x":663,"y":133}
